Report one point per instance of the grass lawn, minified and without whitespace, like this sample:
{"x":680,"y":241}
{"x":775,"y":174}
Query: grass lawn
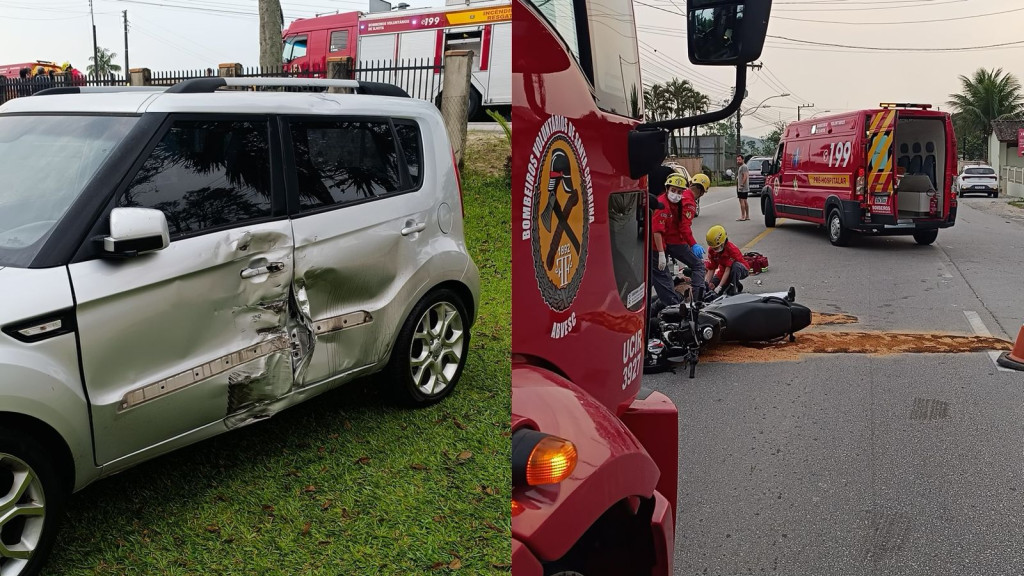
{"x":346,"y":484}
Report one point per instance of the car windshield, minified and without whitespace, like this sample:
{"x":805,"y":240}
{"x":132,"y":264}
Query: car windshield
{"x":45,"y":163}
{"x":985,"y":171}
{"x":755,"y":164}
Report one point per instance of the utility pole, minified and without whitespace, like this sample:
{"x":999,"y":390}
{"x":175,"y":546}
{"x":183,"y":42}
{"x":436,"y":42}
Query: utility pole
{"x":95,"y":47}
{"x":127,"y":70}
{"x":739,"y":124}
{"x":802,"y":106}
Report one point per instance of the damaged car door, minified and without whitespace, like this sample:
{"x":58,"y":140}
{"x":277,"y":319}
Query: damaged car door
{"x":360,"y":228}
{"x":175,"y":341}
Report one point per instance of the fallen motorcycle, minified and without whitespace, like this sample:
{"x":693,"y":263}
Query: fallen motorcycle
{"x":677,"y":333}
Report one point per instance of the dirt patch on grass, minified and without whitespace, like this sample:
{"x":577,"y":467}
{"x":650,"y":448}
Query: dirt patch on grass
{"x":826,"y":319}
{"x":868,"y":342}
{"x":486,"y":152}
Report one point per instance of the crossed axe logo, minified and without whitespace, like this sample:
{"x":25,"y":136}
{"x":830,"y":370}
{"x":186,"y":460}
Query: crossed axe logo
{"x":560,"y":173}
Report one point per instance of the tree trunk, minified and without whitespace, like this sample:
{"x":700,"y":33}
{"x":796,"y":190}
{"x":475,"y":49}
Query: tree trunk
{"x":271,"y":24}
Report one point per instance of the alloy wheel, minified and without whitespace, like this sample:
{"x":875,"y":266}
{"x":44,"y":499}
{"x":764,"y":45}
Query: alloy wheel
{"x":437,"y":348}
{"x":22,"y":514}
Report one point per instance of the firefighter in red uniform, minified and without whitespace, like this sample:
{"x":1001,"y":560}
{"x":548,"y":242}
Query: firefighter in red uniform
{"x":673,"y":227}
{"x":726,"y":265}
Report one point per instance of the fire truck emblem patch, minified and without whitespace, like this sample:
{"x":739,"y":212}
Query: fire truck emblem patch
{"x":560,"y":199}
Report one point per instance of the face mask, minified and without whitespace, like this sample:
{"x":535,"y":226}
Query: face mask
{"x":674,"y":197}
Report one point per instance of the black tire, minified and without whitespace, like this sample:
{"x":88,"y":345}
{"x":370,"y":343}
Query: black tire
{"x":475,"y":101}
{"x":838,"y":234}
{"x":925,"y":237}
{"x":994,"y":194}
{"x":52,"y":487}
{"x":769,"y":213}
{"x":399,"y":372}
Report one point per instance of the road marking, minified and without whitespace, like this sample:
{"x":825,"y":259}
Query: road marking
{"x":981,"y":330}
{"x":759,"y":237}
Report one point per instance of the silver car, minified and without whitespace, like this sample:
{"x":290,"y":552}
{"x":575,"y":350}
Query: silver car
{"x":178,"y":263}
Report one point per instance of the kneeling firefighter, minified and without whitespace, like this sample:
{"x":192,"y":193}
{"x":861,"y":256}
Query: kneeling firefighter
{"x":726,"y":265}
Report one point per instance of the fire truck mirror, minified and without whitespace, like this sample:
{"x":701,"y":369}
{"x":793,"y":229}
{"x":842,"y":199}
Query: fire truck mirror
{"x":647,"y":148}
{"x":766,"y":167}
{"x":726,"y":34}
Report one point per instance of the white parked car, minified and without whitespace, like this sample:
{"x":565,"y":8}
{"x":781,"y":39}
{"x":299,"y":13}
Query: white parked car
{"x":977,"y":179}
{"x":176,"y":263}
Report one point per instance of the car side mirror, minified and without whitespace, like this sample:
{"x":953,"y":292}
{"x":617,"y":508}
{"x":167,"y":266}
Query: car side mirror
{"x":726,"y":33}
{"x":766,"y":167}
{"x":135,"y":231}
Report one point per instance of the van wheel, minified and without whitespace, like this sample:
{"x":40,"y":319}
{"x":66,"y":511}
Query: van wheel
{"x":769,"y":213}
{"x":925,"y":237}
{"x":431,"y":350}
{"x":838,"y":234}
{"x":32,"y":501}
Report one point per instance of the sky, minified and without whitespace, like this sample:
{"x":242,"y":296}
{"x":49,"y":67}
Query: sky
{"x":840,"y":79}
{"x":196,"y":34}
{"x":162,"y":34}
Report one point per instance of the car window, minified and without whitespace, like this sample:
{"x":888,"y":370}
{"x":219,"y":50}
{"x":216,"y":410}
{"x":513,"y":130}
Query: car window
{"x":206,"y":174}
{"x":412,"y":151}
{"x":627,"y":244}
{"x":339,"y":40}
{"x":343,"y":162}
{"x":985,"y":171}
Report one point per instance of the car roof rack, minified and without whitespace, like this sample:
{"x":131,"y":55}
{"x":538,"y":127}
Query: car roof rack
{"x":207,"y":85}
{"x":97,"y":90}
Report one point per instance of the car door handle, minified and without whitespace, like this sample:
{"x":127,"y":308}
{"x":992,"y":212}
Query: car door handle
{"x":412,"y":228}
{"x":268,"y":269}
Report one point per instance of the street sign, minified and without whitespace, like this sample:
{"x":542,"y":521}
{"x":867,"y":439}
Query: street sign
{"x":1020,"y":142}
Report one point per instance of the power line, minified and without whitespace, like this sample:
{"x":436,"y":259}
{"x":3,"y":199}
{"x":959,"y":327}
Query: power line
{"x":900,"y":49}
{"x":919,"y":5}
{"x":884,"y":23}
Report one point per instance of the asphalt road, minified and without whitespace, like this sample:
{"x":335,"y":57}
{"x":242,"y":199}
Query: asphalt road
{"x":855,"y":464}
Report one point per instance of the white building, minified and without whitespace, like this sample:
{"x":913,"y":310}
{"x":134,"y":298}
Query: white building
{"x":1003,"y":155}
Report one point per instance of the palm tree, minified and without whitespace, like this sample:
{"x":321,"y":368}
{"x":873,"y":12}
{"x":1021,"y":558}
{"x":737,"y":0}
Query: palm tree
{"x":986,"y":96}
{"x":106,"y":65}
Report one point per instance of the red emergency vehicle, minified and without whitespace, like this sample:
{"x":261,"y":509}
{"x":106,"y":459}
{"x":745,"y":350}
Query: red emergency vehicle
{"x":377,"y":39}
{"x":885,"y":171}
{"x":14,"y":70}
{"x":594,"y":456}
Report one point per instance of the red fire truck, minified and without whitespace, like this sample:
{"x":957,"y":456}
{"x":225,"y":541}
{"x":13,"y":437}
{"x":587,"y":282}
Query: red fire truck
{"x":380,"y":39}
{"x":594,"y":455}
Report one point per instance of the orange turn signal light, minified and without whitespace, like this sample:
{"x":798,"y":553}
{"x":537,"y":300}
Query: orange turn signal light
{"x":539,"y":458}
{"x":552,"y":460}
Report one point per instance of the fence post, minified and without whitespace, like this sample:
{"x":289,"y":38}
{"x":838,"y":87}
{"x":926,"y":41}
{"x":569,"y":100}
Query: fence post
{"x":339,"y":69}
{"x":229,"y":70}
{"x":141,"y":77}
{"x":455,"y":97}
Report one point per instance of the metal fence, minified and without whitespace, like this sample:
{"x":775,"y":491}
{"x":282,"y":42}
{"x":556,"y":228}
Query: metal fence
{"x":421,"y":78}
{"x":11,"y":88}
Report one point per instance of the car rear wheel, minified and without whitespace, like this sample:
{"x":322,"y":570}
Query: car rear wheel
{"x":838,"y":234}
{"x":769,"y":213}
{"x":431,"y":350}
{"x":32,"y":500}
{"x":925,"y":237}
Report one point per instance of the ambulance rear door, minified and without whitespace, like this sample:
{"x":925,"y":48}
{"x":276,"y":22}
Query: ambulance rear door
{"x":881,"y":177}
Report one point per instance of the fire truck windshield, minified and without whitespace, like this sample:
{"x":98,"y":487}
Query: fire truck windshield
{"x":609,"y":57}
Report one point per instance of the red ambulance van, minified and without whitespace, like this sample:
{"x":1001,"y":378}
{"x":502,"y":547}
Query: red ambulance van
{"x":883,"y":171}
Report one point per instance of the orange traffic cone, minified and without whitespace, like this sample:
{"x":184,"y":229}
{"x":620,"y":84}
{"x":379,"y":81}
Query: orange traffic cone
{"x":1014,"y":359}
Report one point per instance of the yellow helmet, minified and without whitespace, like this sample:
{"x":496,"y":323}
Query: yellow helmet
{"x":716,"y":235}
{"x":701,"y":179}
{"x":676,"y":179}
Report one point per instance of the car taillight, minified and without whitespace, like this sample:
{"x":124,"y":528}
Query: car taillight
{"x":539,"y":458}
{"x":458,"y":180}
{"x":861,"y":186}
